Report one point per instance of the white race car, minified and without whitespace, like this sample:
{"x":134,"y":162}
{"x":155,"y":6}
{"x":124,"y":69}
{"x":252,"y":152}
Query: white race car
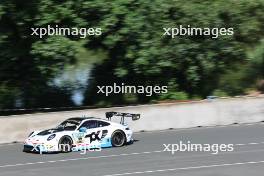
{"x":82,"y":133}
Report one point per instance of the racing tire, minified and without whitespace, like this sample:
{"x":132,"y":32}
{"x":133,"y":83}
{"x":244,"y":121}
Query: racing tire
{"x":118,"y":138}
{"x":65,"y":144}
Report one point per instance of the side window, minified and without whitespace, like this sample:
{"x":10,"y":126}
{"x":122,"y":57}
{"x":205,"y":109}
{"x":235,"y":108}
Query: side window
{"x":90,"y":124}
{"x":103,"y":124}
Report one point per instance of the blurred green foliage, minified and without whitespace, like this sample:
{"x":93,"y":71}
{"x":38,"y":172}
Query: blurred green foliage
{"x":137,"y":52}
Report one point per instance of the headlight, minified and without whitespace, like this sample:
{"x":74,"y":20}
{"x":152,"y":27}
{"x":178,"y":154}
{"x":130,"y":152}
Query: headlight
{"x":51,"y":137}
{"x":30,"y":133}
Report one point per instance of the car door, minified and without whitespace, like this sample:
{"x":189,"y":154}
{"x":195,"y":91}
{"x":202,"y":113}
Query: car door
{"x":105,"y":134}
{"x":91,"y":135}
{"x":96,"y":133}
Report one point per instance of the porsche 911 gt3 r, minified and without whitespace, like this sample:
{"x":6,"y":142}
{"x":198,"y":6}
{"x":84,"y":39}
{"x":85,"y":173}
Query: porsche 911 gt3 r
{"x":82,"y":133}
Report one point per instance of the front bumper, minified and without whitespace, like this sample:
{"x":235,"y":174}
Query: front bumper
{"x":38,"y":149}
{"x":28,"y":148}
{"x":40,"y":146}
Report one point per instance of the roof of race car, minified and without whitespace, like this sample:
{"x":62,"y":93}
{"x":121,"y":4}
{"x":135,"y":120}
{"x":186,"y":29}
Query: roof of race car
{"x":82,"y":118}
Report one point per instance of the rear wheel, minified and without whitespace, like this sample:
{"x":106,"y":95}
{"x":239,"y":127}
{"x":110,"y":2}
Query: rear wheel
{"x":65,"y":144}
{"x":118,"y":138}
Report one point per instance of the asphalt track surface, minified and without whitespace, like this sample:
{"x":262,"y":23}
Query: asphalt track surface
{"x":147,"y":156}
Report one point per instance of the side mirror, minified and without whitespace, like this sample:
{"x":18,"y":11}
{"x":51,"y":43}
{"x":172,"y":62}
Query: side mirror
{"x":83,"y":129}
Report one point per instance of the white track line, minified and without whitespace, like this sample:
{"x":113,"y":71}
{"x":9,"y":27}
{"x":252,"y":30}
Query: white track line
{"x":251,"y":143}
{"x":110,"y":156}
{"x":186,"y":168}
{"x":76,"y":159}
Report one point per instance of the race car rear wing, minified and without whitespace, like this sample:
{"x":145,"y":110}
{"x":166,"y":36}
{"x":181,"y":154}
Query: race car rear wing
{"x":109,"y":115}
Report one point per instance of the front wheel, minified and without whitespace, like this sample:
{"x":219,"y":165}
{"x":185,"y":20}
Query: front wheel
{"x":65,"y":145}
{"x":118,"y":138}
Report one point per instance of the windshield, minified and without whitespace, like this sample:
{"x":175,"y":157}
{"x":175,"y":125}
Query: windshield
{"x":69,"y":125}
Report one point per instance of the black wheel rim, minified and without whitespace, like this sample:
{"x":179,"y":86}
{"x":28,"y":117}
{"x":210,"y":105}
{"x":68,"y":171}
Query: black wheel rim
{"x":67,"y":145}
{"x":118,"y":139}
{"x":66,"y":141}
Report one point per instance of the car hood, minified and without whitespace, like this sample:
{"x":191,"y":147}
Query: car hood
{"x":49,"y":131}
